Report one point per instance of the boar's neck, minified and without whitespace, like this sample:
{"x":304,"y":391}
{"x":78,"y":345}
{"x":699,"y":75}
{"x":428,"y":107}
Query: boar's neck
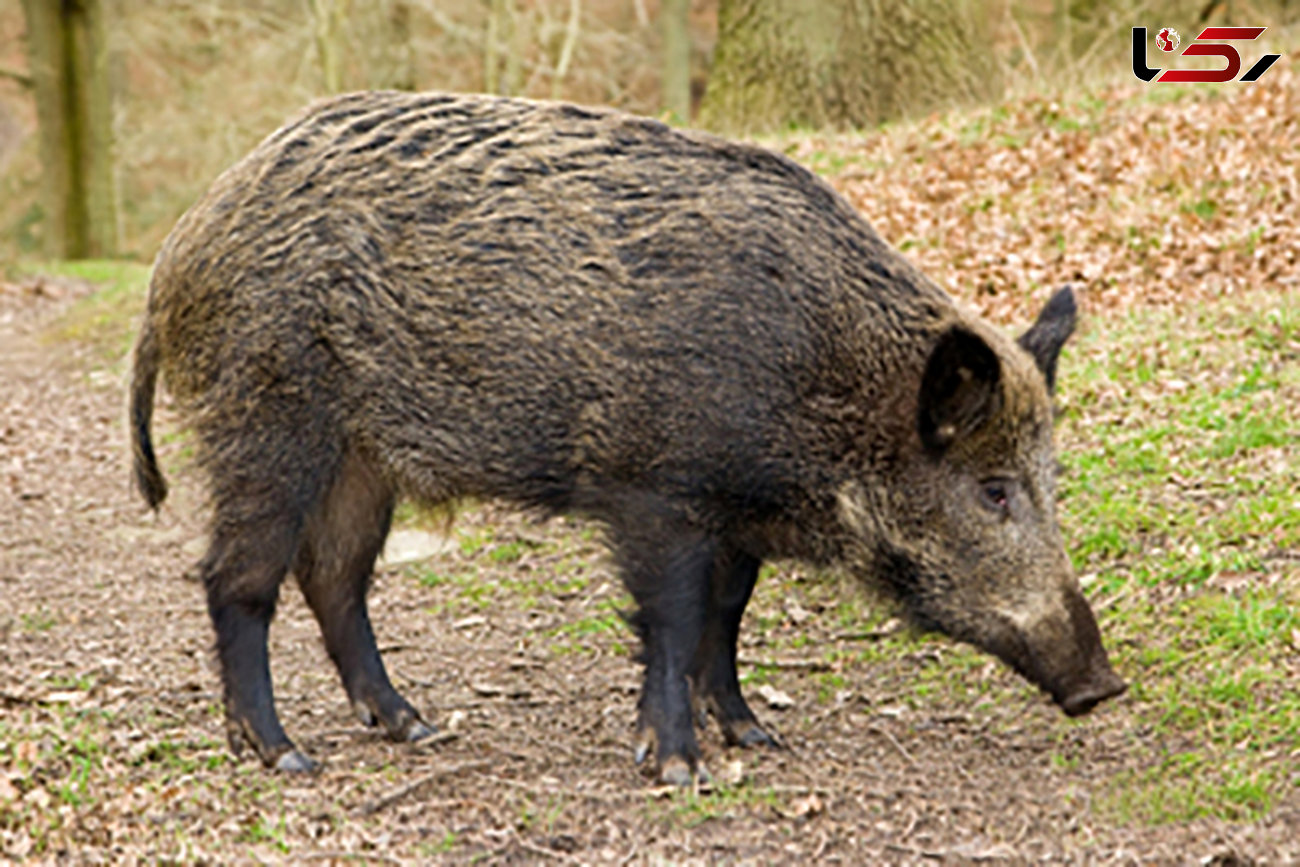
{"x":859,"y":413}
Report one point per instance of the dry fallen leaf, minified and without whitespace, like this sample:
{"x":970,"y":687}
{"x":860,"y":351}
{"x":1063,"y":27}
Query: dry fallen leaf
{"x":1146,"y":205}
{"x":774,"y":697}
{"x":8,"y":791}
{"x":27,"y":751}
{"x":38,"y":798}
{"x":796,"y":612}
{"x":803,"y":806}
{"x":732,"y":773}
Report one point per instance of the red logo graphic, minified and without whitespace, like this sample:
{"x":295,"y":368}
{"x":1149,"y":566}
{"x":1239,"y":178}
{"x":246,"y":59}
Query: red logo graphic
{"x":1167,"y":40}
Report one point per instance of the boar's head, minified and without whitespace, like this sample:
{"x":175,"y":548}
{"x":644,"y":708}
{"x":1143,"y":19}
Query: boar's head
{"x":964,"y":526}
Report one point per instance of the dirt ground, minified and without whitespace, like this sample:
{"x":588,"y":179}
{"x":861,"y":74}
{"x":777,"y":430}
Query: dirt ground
{"x":111,"y":744}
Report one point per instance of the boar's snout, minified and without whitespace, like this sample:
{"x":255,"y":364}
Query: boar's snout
{"x":1065,"y":657}
{"x":1086,"y":680}
{"x":1102,"y":684}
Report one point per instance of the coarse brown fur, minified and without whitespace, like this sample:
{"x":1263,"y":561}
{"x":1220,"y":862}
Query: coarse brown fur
{"x":694,"y":341}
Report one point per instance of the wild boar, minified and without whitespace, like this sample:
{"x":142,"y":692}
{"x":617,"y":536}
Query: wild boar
{"x":697,"y":343}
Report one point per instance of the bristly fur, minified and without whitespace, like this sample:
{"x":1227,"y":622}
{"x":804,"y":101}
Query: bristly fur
{"x":697,"y":342}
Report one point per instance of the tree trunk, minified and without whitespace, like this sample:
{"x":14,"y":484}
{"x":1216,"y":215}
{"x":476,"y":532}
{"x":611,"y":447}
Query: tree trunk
{"x":503,"y":72}
{"x":70,"y":71}
{"x":843,"y":63}
{"x":675,"y":25}
{"x":329,"y":17}
{"x":403,"y":75}
{"x":516,"y":45}
{"x":763,"y":70}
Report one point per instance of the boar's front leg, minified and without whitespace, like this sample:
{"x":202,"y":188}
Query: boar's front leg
{"x":713,"y":674}
{"x":668,"y":577}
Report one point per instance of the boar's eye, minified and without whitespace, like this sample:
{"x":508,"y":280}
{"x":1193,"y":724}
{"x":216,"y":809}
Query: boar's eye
{"x":995,"y":495}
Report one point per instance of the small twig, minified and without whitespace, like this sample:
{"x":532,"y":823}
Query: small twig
{"x":1105,"y":37}
{"x":643,"y":20}
{"x":543,"y":850}
{"x":1110,"y":602}
{"x":788,"y":789}
{"x":618,"y":753}
{"x":920,"y":853}
{"x":566,"y":51}
{"x":606,"y":797}
{"x":888,"y":735}
{"x":808,"y":664}
{"x":347,"y":856}
{"x":11,"y":699}
{"x":491,"y":689}
{"x":393,"y":796}
{"x":872,"y":635}
{"x":911,"y":826}
{"x":1024,"y":45}
{"x":427,"y":684}
{"x":825,"y":715}
{"x":437,"y":739}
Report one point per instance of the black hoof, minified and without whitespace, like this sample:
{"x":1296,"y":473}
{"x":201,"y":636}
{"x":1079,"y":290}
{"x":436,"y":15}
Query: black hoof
{"x":751,"y":735}
{"x":365,"y":714}
{"x":645,"y":744}
{"x":676,"y":771}
{"x":419,"y":731}
{"x":294,"y":762}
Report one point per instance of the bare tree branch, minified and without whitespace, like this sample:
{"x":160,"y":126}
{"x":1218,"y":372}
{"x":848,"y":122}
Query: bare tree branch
{"x":570,"y":42}
{"x":15,"y":75}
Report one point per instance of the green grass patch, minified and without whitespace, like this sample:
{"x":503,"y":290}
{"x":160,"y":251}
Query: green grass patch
{"x":691,"y":809}
{"x":1187,"y":786}
{"x":41,"y":620}
{"x":605,"y":627}
{"x":107,"y":319}
{"x":1179,"y":499}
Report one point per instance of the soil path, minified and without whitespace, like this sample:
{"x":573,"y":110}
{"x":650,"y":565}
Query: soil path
{"x":111,"y":742}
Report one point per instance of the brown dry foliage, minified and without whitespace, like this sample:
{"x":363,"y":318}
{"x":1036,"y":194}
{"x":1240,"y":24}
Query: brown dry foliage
{"x":1152,"y":201}
{"x":109,"y":715}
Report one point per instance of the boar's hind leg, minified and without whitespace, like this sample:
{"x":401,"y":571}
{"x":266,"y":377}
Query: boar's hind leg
{"x":669,"y":582}
{"x":259,"y":498}
{"x":713,"y":674}
{"x":344,"y":535}
{"x":242,"y":573}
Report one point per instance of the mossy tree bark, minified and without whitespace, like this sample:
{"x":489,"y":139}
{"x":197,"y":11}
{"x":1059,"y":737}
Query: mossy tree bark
{"x":503,"y":48}
{"x":843,"y":63}
{"x":71,"y":73}
{"x":675,"y":26}
{"x":329,"y":20}
{"x":402,"y":51}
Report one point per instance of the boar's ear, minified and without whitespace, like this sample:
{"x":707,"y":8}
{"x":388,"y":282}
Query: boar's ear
{"x":959,"y":390}
{"x":1054,"y":326}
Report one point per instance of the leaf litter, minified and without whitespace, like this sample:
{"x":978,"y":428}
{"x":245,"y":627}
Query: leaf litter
{"x":111,"y":745}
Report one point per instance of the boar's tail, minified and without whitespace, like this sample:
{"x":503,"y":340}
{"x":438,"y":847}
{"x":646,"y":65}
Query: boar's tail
{"x":148,"y":478}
